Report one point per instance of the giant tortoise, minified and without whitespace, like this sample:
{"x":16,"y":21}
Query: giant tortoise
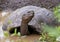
{"x":29,"y":16}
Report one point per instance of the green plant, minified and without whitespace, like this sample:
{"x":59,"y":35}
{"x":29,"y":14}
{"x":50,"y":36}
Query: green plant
{"x":46,"y":38}
{"x":6,"y":34}
{"x":50,"y":33}
{"x":15,"y":33}
{"x":56,"y":11}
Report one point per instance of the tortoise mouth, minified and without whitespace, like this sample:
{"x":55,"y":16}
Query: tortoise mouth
{"x":31,"y":30}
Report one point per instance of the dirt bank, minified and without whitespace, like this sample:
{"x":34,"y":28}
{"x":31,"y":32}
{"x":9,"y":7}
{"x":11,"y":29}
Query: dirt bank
{"x":14,"y":4}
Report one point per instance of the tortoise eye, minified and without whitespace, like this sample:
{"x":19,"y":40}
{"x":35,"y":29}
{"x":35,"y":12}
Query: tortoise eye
{"x":31,"y":12}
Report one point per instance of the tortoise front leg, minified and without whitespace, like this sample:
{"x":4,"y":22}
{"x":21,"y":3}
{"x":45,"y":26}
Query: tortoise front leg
{"x":26,"y":18}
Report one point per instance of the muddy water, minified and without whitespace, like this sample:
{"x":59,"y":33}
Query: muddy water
{"x":29,"y":38}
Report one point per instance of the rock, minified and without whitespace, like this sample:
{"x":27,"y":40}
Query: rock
{"x":1,"y":31}
{"x":41,"y":15}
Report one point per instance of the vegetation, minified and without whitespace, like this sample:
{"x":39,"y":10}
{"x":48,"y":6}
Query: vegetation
{"x":50,"y":33}
{"x":15,"y":33}
{"x":57,"y":12}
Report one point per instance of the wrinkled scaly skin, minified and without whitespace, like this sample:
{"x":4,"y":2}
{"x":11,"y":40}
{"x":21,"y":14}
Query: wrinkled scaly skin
{"x":26,"y":18}
{"x":40,"y":15}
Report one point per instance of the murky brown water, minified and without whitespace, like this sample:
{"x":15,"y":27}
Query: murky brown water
{"x":29,"y":38}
